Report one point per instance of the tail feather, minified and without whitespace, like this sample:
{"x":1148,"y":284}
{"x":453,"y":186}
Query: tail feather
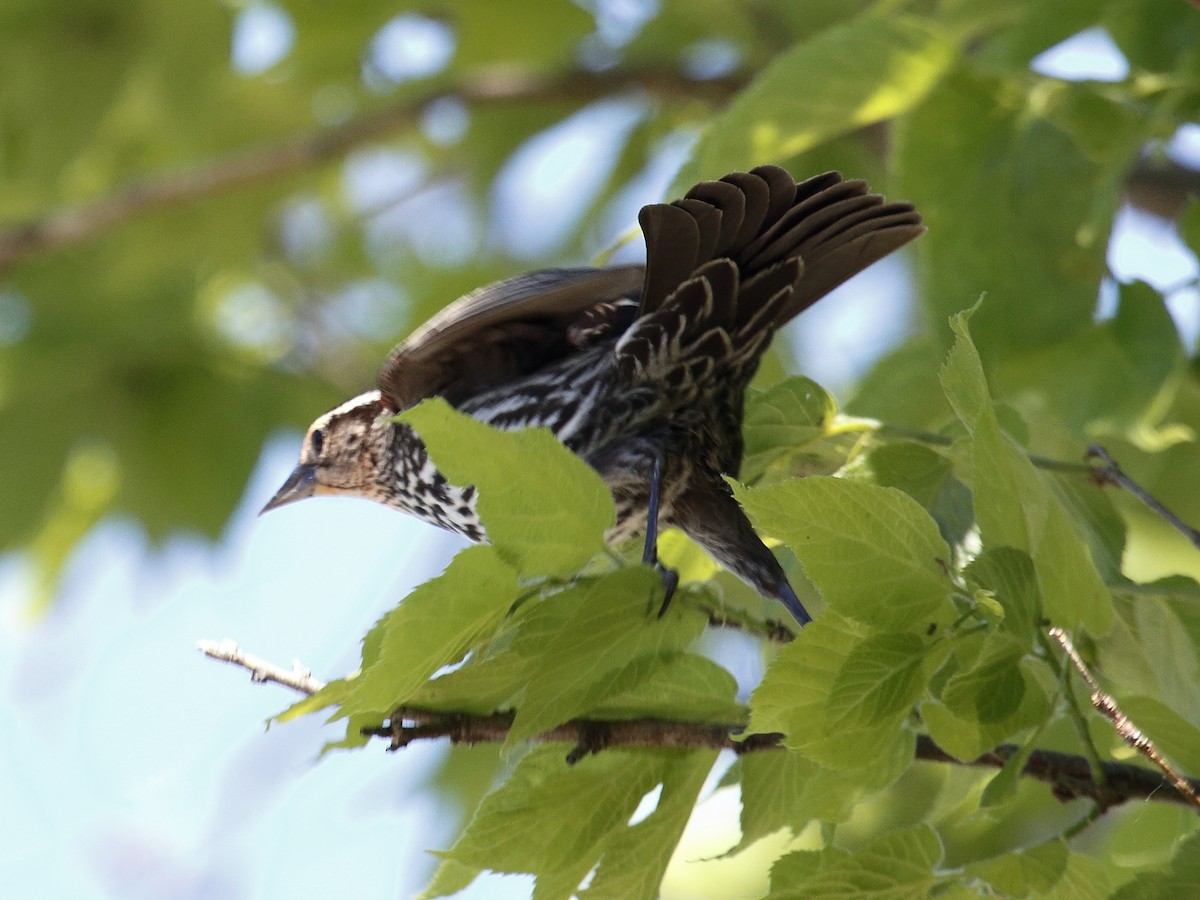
{"x":747,"y":253}
{"x":732,"y":203}
{"x":674,"y":235}
{"x":759,"y":218}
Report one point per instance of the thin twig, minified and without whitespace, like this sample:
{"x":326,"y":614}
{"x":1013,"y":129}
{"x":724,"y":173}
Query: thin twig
{"x":944,"y":440}
{"x":1107,"y":707}
{"x":1075,"y":710}
{"x":298,"y":678}
{"x":773,"y":630}
{"x":302,"y":152}
{"x":1110,"y":473}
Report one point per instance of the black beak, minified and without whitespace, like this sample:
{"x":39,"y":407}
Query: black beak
{"x":300,"y":484}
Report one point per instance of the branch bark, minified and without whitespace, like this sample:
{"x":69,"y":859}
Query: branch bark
{"x":298,"y":153}
{"x":1111,"y":473}
{"x":298,"y":678}
{"x":1161,"y":188}
{"x":1121,"y":723}
{"x":1070,"y":776}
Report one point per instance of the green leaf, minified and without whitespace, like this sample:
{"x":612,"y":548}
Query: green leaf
{"x":1072,"y":590}
{"x":882,"y":677}
{"x":450,"y":878}
{"x":782,"y":789}
{"x":1153,"y":36}
{"x":1015,"y":507}
{"x":872,"y":552}
{"x":492,"y":680}
{"x":1033,"y":870}
{"x":896,"y":866}
{"x":782,"y":418}
{"x":1153,"y":650}
{"x":1188,"y":225}
{"x":1092,"y":509}
{"x":1084,"y":879}
{"x":1009,"y":574}
{"x":1115,"y":378}
{"x":864,"y":71}
{"x":635,"y":859}
{"x":992,"y":689}
{"x":1003,"y":786}
{"x":993,"y":189}
{"x":685,"y":686}
{"x":796,"y":698}
{"x":557,"y":821}
{"x":902,"y":388}
{"x":544,"y":508}
{"x":1181,"y":879}
{"x":434,"y":626}
{"x":966,"y":736}
{"x":911,"y":467}
{"x":332,"y":693}
{"x":553,"y":820}
{"x":1174,"y":735}
{"x":535,"y":40}
{"x":593,"y":642}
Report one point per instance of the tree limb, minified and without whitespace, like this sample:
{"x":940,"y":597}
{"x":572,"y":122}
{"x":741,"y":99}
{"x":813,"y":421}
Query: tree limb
{"x":301,"y":152}
{"x":1159,"y":187}
{"x":1069,"y":775}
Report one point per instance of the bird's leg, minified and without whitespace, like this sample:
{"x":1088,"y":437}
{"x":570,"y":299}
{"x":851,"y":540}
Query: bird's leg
{"x":670,"y":577}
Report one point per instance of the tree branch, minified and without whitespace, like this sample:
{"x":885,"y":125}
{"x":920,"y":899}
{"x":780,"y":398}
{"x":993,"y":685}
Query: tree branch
{"x":1069,"y":776}
{"x":1130,"y":734}
{"x":298,"y":678}
{"x":1111,"y":473}
{"x":299,"y":153}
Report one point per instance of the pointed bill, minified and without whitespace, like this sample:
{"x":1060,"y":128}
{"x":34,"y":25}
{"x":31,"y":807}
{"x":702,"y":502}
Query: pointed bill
{"x":299,"y":485}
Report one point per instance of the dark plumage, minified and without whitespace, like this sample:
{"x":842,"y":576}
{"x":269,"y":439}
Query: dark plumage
{"x":630,"y":367}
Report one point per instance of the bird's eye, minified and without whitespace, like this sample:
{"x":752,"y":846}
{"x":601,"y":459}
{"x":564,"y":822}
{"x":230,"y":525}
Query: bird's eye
{"x":318,"y":441}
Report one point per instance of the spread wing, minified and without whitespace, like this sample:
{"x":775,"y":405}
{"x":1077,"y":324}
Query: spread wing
{"x":742,"y":255}
{"x":505,"y":330}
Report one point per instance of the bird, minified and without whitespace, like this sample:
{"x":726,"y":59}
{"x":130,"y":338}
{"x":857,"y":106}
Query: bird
{"x":640,"y":370}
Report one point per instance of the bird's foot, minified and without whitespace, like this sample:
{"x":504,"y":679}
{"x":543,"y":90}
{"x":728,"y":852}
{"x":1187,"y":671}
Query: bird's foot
{"x":670,"y":580}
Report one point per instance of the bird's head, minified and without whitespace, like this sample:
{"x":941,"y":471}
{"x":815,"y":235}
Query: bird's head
{"x":345,"y":452}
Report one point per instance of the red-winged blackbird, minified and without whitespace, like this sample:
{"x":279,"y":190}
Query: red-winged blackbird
{"x":641,"y":371}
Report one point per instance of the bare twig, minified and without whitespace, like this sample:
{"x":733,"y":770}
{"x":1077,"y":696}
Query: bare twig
{"x":1107,"y":707}
{"x":298,"y":678}
{"x":1110,"y":473}
{"x":299,"y":153}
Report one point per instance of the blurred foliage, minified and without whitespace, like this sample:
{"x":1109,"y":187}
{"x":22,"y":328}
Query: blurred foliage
{"x":199,"y":245}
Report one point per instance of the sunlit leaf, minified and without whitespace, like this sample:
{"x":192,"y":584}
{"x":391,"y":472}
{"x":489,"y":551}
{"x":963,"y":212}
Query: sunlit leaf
{"x":544,"y":508}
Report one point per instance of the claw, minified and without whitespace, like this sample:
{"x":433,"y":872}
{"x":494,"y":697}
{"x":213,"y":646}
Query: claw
{"x":670,"y":579}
